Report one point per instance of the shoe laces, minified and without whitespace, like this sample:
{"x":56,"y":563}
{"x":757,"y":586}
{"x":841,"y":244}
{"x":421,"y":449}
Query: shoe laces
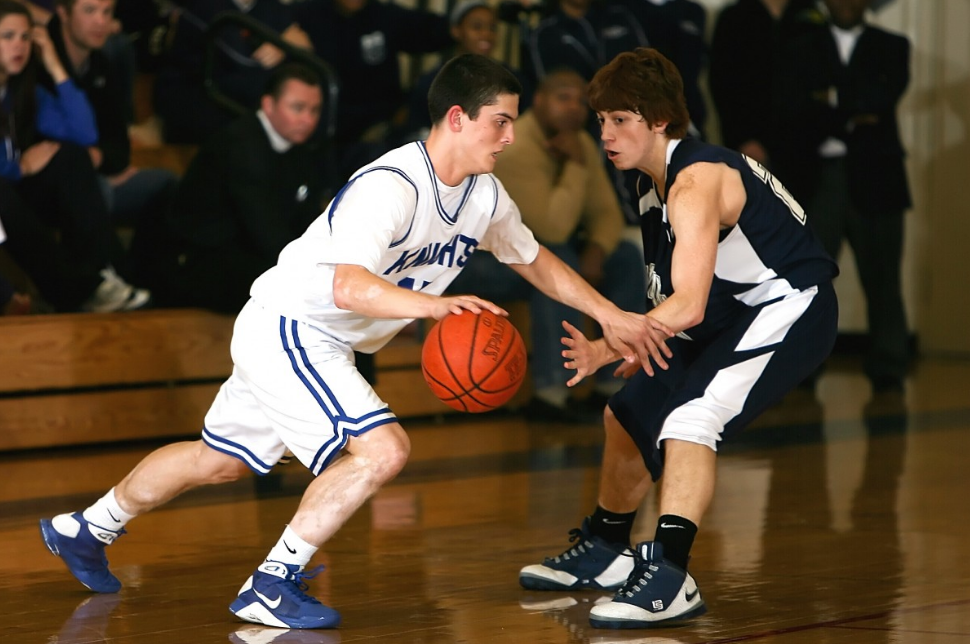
{"x":581,"y":548}
{"x":298,"y":586}
{"x":642,"y":574}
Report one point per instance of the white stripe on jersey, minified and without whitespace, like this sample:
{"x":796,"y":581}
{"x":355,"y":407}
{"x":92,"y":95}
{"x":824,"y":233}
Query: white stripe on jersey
{"x":738,"y":262}
{"x":703,"y":419}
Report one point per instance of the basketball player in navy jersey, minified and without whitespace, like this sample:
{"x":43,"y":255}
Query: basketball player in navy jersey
{"x":379,"y":256}
{"x":736,"y":273}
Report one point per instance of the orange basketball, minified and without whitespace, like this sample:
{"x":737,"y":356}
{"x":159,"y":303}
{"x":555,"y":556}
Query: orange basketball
{"x":472,"y":362}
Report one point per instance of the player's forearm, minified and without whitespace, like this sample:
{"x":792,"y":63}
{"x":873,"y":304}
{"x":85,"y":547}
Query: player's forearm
{"x":679,"y":313}
{"x":357,"y":289}
{"x":556,"y":279}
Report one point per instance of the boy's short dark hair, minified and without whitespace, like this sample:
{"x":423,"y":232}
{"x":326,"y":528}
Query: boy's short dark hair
{"x":469,"y":81}
{"x":287,"y":72}
{"x":642,"y":81}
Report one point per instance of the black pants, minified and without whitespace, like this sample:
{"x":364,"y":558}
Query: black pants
{"x":58,"y":229}
{"x":877,"y":243}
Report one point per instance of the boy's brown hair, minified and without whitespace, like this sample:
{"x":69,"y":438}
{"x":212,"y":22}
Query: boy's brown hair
{"x":642,"y":81}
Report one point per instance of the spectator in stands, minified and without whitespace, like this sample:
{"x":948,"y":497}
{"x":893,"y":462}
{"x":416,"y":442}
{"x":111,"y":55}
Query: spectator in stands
{"x":79,"y":31}
{"x":474,"y":26}
{"x":554,"y":174}
{"x":251,"y":189}
{"x":58,"y":228}
{"x":242,"y":63}
{"x":746,"y":48}
{"x":361,"y":40}
{"x":843,"y":157}
{"x":582,"y":35}
{"x":676,"y":28}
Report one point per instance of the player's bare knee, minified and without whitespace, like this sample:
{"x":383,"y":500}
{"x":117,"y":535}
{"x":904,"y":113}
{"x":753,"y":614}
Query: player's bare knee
{"x":383,"y":450}
{"x":395,"y":451}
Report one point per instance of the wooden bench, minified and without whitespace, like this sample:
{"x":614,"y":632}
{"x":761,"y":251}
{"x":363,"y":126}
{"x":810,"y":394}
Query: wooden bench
{"x":74,"y":379}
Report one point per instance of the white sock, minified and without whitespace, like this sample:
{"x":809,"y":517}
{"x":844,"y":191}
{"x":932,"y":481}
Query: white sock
{"x":107,"y":514}
{"x":292,"y":549}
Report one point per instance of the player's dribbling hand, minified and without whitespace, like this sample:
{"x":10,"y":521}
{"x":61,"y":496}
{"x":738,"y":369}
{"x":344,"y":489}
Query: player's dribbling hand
{"x":460,"y":303}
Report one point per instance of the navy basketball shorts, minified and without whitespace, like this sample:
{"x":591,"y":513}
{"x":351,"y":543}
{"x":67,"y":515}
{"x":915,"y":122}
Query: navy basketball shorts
{"x":292,"y":387}
{"x":715,"y":389}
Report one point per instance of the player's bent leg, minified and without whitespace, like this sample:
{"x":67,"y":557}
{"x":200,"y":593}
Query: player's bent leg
{"x":275,"y":594}
{"x":162,"y":475}
{"x":171,"y":470}
{"x":371,"y":460}
{"x":593,"y":562}
{"x":624,"y":479}
{"x":657,"y":593}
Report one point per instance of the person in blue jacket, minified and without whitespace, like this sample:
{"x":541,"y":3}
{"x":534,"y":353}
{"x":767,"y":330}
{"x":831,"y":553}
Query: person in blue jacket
{"x":57,"y":225}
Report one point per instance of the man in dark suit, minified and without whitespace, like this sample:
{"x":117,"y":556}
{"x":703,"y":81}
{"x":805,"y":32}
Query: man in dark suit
{"x":843,"y":158}
{"x":252,"y":188}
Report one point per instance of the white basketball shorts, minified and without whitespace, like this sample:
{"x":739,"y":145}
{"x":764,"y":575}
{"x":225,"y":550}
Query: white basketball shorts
{"x":292,"y":386}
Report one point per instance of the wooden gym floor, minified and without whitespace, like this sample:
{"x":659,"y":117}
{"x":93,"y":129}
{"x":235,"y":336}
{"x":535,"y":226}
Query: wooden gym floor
{"x":842,"y":520}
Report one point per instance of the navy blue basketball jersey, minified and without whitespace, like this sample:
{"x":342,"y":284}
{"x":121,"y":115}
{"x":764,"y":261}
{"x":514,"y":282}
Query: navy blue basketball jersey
{"x":769,"y":254}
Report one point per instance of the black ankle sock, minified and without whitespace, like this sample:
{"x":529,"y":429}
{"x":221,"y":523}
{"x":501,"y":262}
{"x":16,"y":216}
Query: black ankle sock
{"x":677,"y":536}
{"x":612,"y":526}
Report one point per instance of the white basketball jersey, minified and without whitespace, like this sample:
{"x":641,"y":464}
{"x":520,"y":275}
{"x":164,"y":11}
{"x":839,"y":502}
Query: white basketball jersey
{"x":397,"y":220}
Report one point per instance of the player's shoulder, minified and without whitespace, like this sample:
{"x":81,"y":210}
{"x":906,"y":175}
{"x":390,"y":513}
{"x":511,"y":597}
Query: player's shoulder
{"x":406,"y":165}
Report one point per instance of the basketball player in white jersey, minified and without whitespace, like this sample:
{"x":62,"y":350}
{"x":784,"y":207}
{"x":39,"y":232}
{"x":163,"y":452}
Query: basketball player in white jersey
{"x":378,"y":257}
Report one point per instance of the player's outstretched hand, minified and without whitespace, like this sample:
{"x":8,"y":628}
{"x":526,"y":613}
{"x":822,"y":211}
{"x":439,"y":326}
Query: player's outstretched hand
{"x":458,"y":304}
{"x":584,"y":355}
{"x":636,"y":337}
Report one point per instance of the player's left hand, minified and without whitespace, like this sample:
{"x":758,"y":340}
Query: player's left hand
{"x":583,"y":355}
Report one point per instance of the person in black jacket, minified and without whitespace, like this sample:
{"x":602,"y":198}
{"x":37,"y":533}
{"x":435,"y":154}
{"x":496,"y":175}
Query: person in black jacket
{"x":79,"y":30}
{"x":252,"y":188}
{"x":844,"y":159}
{"x":749,"y":37}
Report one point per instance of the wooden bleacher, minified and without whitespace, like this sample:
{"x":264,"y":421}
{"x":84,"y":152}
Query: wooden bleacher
{"x":73,"y":379}
{"x":88,"y":378}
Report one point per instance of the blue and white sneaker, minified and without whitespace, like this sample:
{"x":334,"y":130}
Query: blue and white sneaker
{"x":657,"y":593}
{"x":274,"y":596}
{"x":80,"y":545}
{"x":269,"y":635}
{"x":592,"y":563}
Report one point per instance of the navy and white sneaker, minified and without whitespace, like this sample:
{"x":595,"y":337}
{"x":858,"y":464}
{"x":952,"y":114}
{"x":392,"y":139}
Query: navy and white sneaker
{"x":592,"y":563}
{"x":657,"y":593}
{"x":80,"y":545}
{"x":274,"y":596}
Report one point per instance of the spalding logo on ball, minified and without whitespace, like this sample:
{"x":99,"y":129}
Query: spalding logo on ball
{"x":472,"y":362}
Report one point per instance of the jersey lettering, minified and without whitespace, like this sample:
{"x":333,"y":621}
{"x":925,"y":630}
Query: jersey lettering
{"x":454,"y":252}
{"x":776,"y":187}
